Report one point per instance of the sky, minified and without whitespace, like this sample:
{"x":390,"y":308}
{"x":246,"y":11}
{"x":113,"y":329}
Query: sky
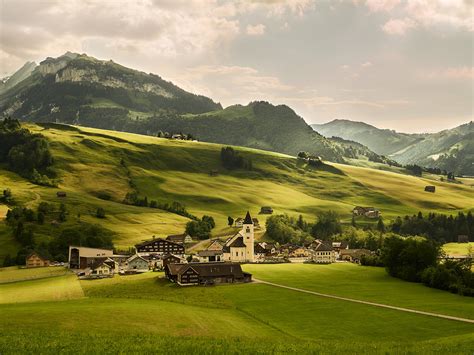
{"x":400,"y":64}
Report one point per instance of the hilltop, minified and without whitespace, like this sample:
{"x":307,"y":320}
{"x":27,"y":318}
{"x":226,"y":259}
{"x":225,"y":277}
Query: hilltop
{"x":450,"y":150}
{"x":82,"y":90}
{"x":97,"y":168}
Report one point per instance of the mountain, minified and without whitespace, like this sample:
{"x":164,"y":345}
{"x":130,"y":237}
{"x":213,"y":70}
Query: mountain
{"x":20,"y":75}
{"x":81,"y":90}
{"x":450,"y":150}
{"x":381,"y":141}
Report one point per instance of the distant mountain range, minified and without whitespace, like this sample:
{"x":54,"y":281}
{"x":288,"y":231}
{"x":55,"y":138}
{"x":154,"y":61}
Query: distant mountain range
{"x":451,"y":149}
{"x":81,"y":90}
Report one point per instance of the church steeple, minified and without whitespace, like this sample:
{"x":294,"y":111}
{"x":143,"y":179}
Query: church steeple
{"x":248,"y":219}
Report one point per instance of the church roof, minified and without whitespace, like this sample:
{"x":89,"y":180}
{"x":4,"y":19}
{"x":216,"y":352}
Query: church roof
{"x":248,"y":219}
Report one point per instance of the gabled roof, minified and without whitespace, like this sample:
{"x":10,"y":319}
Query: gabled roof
{"x":41,"y":256}
{"x":248,"y":219}
{"x":99,"y":262}
{"x":148,"y":242}
{"x":237,"y":243}
{"x":208,"y":269}
{"x":136,"y":256}
{"x":323,"y":247}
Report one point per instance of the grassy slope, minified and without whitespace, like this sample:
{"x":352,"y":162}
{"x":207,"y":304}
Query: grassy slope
{"x":454,"y":249}
{"x":148,"y":313}
{"x":88,"y":162}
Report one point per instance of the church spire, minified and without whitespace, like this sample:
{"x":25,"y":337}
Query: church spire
{"x":248,"y":219}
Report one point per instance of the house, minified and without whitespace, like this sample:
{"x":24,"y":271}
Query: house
{"x":82,"y":257}
{"x":256,"y":222}
{"x":160,"y":246}
{"x":210,"y":256}
{"x":299,"y":252}
{"x":369,"y":212}
{"x":463,"y":239}
{"x":264,"y":249}
{"x":34,"y":259}
{"x":323,"y":253}
{"x":266,"y":210}
{"x":240,"y":247}
{"x":60,"y":194}
{"x":338,"y":246}
{"x":206,"y":273}
{"x":180,"y":238}
{"x":101,"y":267}
{"x":172,"y":259}
{"x":239,"y":222}
{"x":353,"y":255}
{"x":430,"y":188}
{"x":137,"y":264}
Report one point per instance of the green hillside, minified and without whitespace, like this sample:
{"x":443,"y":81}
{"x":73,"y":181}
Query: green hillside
{"x":97,"y":168}
{"x":81,"y":90}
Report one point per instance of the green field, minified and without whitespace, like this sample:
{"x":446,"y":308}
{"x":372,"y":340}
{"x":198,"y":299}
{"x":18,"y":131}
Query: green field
{"x":148,"y":314}
{"x":457,"y":249}
{"x":14,"y":273}
{"x":88,"y":163}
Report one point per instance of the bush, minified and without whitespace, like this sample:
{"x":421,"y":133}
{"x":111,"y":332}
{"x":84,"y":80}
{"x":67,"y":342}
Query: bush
{"x":371,"y":260}
{"x":100,"y":213}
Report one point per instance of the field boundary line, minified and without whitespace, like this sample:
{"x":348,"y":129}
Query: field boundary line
{"x":33,"y":278}
{"x":408,"y":310}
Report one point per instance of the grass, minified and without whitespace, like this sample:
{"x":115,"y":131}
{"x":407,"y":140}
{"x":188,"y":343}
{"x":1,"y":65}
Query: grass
{"x":48,"y":289}
{"x":88,"y":163}
{"x":364,"y":283}
{"x":145,"y":313}
{"x":14,"y":273}
{"x":457,"y":249}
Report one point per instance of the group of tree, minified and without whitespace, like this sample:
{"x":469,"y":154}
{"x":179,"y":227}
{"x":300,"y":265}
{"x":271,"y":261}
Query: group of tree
{"x":132,"y":198}
{"x":312,"y":160}
{"x":285,"y":229}
{"x":417,"y":259}
{"x":201,"y":229}
{"x":231,"y":159}
{"x":26,"y":153}
{"x":438,"y":227}
{"x":417,"y":170}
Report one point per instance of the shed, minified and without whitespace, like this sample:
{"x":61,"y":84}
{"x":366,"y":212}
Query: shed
{"x":430,"y":188}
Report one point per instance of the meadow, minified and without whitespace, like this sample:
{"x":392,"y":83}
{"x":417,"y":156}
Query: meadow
{"x":458,"y":249}
{"x":96,"y":168}
{"x":148,"y":314}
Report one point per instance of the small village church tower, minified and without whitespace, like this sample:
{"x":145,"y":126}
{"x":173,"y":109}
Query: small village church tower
{"x":248,"y":233}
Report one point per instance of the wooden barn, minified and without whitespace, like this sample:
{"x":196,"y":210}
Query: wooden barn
{"x":206,"y":273}
{"x":430,"y":188}
{"x":34,"y":259}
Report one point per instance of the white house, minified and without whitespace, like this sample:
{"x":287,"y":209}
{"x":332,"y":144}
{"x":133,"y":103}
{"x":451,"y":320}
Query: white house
{"x":240,"y":247}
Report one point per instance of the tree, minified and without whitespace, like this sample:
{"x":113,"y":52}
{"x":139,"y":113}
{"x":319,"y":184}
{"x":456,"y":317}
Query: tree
{"x":381,"y":225}
{"x":209,"y":220}
{"x":353,"y":221}
{"x":40,"y":218}
{"x":198,"y":229}
{"x":62,"y":212}
{"x":327,"y":225}
{"x":8,"y":261}
{"x":230,"y":221}
{"x":100,"y":213}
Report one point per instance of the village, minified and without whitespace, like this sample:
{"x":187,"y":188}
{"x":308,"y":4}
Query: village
{"x":219,"y":262}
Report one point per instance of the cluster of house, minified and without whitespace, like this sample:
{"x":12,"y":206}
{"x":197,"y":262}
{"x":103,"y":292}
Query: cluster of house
{"x":369,"y":212}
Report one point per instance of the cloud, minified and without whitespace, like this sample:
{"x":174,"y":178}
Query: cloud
{"x":398,"y":26}
{"x":450,"y":73}
{"x":366,"y":64}
{"x":381,"y":5}
{"x":256,"y":30}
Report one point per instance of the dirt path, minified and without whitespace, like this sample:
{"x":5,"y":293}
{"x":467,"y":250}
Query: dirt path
{"x":459,"y":319}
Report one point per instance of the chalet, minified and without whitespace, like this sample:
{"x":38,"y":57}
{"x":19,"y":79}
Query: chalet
{"x":206,"y":273}
{"x":60,"y":194}
{"x":298,"y":252}
{"x":369,"y":212}
{"x":180,"y":238}
{"x":172,"y":259}
{"x":101,"y":267}
{"x":34,"y":259}
{"x":256,"y":222}
{"x":266,"y":210}
{"x":463,"y":239}
{"x":338,"y":246}
{"x":264,"y":249}
{"x":137,"y":264}
{"x":160,"y":246}
{"x":239,"y":222}
{"x":430,"y":188}
{"x":353,"y":255}
{"x":323,"y":253}
{"x":82,"y":257}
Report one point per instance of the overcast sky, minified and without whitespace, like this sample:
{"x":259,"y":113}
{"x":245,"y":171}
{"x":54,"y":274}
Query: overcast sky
{"x":400,"y":64}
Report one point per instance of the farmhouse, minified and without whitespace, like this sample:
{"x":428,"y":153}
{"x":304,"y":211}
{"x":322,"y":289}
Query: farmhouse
{"x":34,"y":259}
{"x":160,"y":246}
{"x":206,"y":273}
{"x":323,"y":253}
{"x":430,"y":188}
{"x":172,"y":259}
{"x":369,"y":212}
{"x":239,"y":222}
{"x":210,"y":255}
{"x":353,"y":255}
{"x":101,"y":267}
{"x":180,"y":238}
{"x":264,"y":249}
{"x":82,"y":257}
{"x":137,"y":264}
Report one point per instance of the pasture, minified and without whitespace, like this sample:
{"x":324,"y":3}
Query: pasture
{"x":458,"y":249}
{"x":147,"y":313}
{"x":96,"y":168}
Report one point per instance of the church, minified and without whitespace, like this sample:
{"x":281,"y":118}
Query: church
{"x":240,"y":247}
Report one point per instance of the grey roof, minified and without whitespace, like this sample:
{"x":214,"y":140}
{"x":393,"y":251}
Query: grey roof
{"x":248,"y":219}
{"x":208,"y":269}
{"x":323,"y":247}
{"x":210,"y":252}
{"x":237,"y":243}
